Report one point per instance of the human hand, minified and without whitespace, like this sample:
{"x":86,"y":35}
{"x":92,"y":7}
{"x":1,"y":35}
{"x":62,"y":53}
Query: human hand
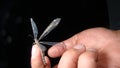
{"x":95,"y":40}
{"x":88,"y":57}
{"x":36,"y":58}
{"x":104,"y":41}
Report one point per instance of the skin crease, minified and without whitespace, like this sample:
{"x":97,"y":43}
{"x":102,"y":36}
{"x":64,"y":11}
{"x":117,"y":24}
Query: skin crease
{"x":104,"y":42}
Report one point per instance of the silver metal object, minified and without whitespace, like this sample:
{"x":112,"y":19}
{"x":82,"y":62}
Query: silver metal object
{"x":50,"y":27}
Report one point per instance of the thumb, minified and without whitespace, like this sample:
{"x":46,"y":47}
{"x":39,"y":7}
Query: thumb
{"x":36,"y":59}
{"x":88,"y":59}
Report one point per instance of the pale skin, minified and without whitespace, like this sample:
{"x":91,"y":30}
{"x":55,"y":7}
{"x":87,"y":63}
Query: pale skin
{"x":91,"y":48}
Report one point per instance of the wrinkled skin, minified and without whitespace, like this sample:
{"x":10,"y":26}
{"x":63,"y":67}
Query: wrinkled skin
{"x":104,"y":43}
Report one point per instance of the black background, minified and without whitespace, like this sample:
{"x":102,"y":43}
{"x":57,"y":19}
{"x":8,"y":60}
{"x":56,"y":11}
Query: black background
{"x":16,"y":33}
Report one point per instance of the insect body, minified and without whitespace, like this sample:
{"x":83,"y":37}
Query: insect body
{"x":50,"y":27}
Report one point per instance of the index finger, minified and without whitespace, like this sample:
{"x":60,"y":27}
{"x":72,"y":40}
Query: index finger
{"x":59,"y":48}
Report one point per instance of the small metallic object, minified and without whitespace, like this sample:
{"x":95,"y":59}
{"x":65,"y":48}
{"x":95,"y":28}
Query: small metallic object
{"x":50,"y":27}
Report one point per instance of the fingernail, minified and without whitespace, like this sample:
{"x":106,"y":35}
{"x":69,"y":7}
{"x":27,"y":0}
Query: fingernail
{"x":34,"y":51}
{"x":61,"y":44}
{"x":92,"y":50}
{"x":79,"y":46}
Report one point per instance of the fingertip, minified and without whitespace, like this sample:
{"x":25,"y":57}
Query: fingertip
{"x":92,"y":53}
{"x":35,"y":51}
{"x":88,"y":59}
{"x":70,"y":57}
{"x":57,"y":50}
{"x":36,"y":60}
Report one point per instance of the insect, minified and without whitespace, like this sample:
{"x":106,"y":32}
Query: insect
{"x":50,"y":27}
